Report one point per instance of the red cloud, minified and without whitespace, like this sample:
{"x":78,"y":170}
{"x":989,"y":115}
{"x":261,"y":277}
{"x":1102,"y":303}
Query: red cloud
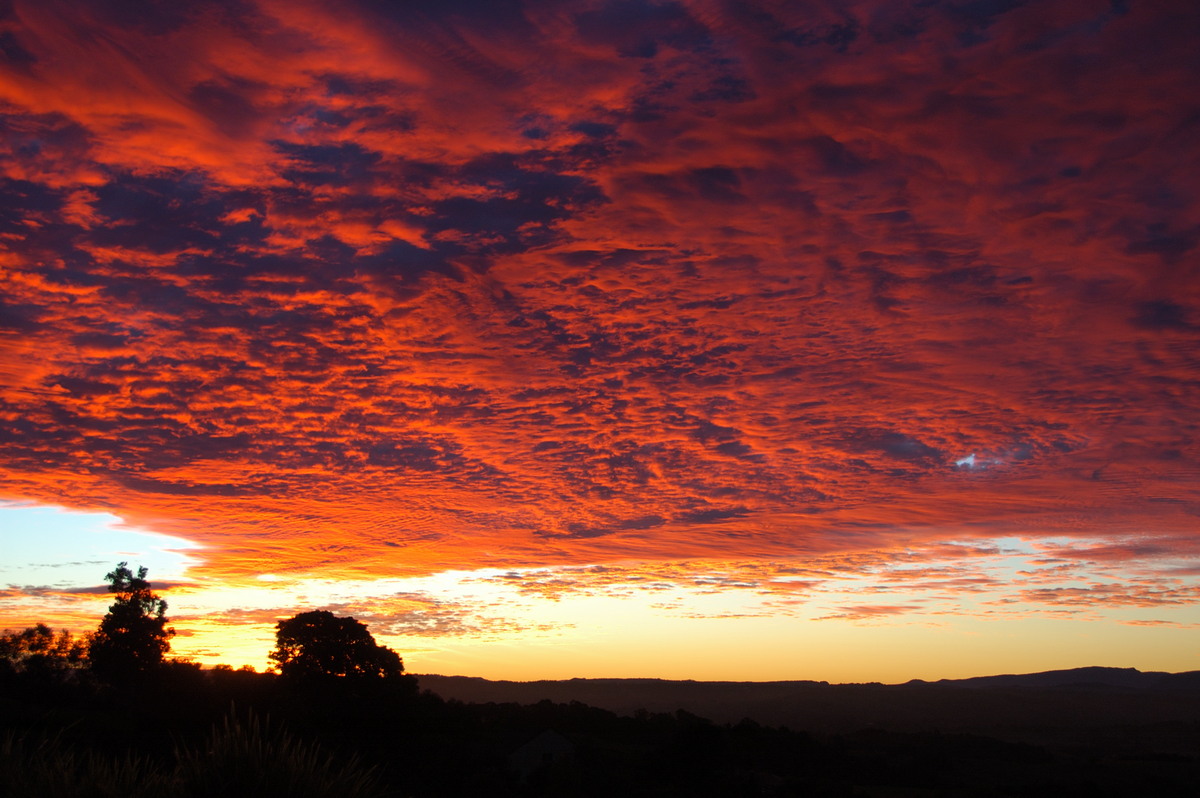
{"x":377,"y":291}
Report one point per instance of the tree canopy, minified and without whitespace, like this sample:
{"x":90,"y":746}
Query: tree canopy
{"x":317,"y":644}
{"x":39,"y":648}
{"x":133,"y":638}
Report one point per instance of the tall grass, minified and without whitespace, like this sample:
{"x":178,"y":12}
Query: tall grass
{"x":250,"y":757}
{"x":240,"y":757}
{"x":39,"y":765}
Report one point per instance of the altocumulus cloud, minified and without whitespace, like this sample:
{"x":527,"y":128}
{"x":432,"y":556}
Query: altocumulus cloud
{"x":391,"y":289}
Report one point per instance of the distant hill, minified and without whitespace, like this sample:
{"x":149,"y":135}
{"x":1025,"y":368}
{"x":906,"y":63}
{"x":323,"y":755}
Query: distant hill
{"x":1092,"y":677}
{"x":1087,"y":701}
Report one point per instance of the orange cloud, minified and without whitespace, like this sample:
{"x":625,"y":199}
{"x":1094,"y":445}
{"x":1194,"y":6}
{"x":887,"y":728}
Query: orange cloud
{"x":391,"y":291}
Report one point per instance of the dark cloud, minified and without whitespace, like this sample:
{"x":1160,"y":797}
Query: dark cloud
{"x":638,"y":28}
{"x":1162,"y":315}
{"x":894,"y":445}
{"x":161,"y":214}
{"x":344,"y":164}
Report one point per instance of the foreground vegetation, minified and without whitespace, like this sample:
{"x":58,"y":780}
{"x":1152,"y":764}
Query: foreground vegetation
{"x":342,"y":719}
{"x":192,"y":731}
{"x":241,"y":756}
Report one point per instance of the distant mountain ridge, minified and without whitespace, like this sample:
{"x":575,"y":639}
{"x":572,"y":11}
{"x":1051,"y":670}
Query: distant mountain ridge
{"x":1003,"y":705}
{"x":1082,"y":677}
{"x":1090,"y":676}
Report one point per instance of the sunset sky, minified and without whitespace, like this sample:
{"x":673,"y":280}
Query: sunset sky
{"x":854,"y":341}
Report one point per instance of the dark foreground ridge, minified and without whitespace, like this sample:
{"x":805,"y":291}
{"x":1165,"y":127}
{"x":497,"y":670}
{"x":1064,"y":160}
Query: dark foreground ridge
{"x":187,"y":731}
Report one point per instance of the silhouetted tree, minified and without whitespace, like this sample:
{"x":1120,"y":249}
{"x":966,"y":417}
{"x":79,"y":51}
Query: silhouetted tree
{"x":133,"y":637}
{"x":38,"y":648}
{"x":318,"y":644}
{"x":40,"y":643}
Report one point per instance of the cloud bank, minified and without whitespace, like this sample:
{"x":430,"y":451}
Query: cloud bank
{"x":390,"y":289}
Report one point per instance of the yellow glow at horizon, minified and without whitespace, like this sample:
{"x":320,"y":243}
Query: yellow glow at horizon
{"x":675,"y":622}
{"x":627,"y":636}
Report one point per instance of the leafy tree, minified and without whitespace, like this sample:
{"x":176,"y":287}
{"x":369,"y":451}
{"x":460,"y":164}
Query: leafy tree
{"x":318,"y":644}
{"x":38,"y":648}
{"x":133,"y":637}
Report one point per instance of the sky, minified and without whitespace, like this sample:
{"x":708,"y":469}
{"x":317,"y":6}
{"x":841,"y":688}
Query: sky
{"x":850,"y":341}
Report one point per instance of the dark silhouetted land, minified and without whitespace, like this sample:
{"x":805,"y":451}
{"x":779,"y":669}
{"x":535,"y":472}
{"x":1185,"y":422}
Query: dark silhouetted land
{"x":187,"y":731}
{"x":1016,"y":705}
{"x":1118,"y":709}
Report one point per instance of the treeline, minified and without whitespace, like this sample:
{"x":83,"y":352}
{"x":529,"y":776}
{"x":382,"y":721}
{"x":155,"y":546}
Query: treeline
{"x":131,"y":644}
{"x":111,"y":714}
{"x":341,"y":718}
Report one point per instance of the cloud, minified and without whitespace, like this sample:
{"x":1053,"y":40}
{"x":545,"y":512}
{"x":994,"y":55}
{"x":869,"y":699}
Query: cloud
{"x":1152,"y":595}
{"x":863,"y":612}
{"x":408,"y":615}
{"x":411,"y":289}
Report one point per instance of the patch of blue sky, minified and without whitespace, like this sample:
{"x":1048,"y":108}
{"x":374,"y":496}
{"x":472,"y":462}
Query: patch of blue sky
{"x":47,"y":546}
